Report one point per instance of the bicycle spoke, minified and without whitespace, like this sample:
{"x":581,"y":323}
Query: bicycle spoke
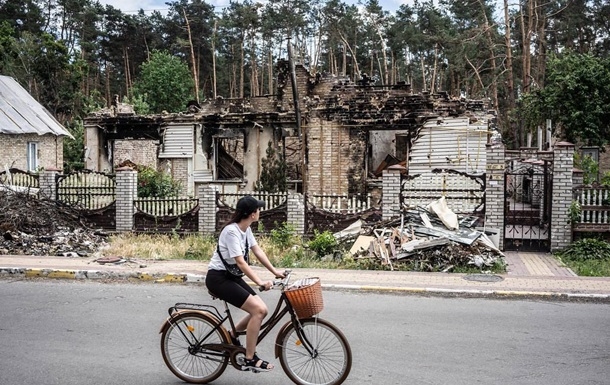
{"x":323,"y":359}
{"x":178,"y":348}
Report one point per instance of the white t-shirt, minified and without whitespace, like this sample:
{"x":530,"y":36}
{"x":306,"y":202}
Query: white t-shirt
{"x":232,"y":243}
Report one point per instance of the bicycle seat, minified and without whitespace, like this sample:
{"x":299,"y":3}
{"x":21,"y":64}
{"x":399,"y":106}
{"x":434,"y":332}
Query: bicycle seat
{"x":214,"y":296}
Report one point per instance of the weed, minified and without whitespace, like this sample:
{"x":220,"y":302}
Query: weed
{"x":587,"y":257}
{"x":323,"y":243}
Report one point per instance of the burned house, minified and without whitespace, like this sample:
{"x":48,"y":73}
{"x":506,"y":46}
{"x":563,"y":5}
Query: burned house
{"x":346,"y":134}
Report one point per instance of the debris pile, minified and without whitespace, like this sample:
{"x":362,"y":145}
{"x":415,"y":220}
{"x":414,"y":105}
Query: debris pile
{"x":32,"y":226}
{"x":430,"y":239}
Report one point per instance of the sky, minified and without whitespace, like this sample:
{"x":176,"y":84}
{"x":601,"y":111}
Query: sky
{"x":132,"y":6}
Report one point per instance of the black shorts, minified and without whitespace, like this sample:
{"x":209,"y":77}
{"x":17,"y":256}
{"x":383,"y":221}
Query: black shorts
{"x":229,"y":288}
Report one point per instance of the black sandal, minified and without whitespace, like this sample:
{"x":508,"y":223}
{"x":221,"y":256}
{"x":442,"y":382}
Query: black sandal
{"x":251,"y":365}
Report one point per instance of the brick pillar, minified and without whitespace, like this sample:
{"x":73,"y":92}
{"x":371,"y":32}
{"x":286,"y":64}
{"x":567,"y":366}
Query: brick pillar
{"x":207,"y":210}
{"x":390,"y":202}
{"x":126,"y":193}
{"x":46,"y":182}
{"x":494,"y":190}
{"x":563,"y":164}
{"x":296,"y":212}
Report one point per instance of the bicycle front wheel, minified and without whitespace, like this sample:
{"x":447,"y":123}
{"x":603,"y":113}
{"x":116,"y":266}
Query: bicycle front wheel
{"x":328,"y":359}
{"x":178,"y":348}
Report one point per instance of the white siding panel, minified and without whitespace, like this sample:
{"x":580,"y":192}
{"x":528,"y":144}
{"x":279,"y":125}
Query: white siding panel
{"x":450,"y":143}
{"x":178,"y":142}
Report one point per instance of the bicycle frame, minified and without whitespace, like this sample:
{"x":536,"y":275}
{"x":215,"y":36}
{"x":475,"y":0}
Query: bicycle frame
{"x":282,"y":308}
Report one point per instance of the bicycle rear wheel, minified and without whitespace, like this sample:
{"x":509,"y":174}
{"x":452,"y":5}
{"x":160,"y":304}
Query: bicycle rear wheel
{"x":178,"y":339}
{"x":328,"y":364}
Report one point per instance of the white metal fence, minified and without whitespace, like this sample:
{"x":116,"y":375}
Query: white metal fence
{"x":163,"y":207}
{"x":344,"y":204}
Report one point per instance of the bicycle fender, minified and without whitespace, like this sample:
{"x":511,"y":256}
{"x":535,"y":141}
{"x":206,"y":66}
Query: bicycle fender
{"x":180,"y":313}
{"x":280,"y":336}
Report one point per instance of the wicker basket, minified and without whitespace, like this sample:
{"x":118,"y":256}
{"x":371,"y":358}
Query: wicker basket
{"x":305,"y":296}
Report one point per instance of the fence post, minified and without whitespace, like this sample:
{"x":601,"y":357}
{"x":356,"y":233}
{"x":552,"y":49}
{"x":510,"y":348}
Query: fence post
{"x":390,"y":202}
{"x":494,"y":189}
{"x":296,"y":212}
{"x":563,"y":164}
{"x":47,"y":183}
{"x":126,"y":193}
{"x":207,"y":210}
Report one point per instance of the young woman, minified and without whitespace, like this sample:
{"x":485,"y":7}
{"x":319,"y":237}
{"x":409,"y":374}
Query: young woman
{"x":234,"y":243}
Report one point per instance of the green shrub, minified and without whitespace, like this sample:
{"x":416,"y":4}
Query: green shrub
{"x":323,"y":243}
{"x":606,"y":179}
{"x":283,"y":235}
{"x":586,"y":249}
{"x":153,"y":183}
{"x":574,"y":212}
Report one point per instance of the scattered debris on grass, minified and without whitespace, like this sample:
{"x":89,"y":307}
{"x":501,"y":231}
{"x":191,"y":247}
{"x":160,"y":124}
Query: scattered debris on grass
{"x":33,"y":226}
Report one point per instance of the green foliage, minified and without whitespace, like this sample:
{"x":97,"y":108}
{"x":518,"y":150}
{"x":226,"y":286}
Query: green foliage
{"x":283,"y":235}
{"x":74,"y":148}
{"x":153,"y":183}
{"x":273,"y":172}
{"x":165,"y":83}
{"x":140,"y":105}
{"x":587,"y":257}
{"x":574,"y":212}
{"x":586,"y":249}
{"x":589,"y":167}
{"x":323,"y":243}
{"x":576,"y":98}
{"x":605,"y":179}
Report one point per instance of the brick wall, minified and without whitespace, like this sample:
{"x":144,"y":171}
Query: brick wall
{"x":494,"y":190}
{"x":334,"y":158}
{"x":604,"y":161}
{"x":179,"y":172}
{"x":126,"y":192}
{"x":140,"y":152}
{"x":561,"y":230}
{"x":14,"y":150}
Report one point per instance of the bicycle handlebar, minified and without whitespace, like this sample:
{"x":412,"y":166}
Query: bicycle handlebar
{"x":279,"y":282}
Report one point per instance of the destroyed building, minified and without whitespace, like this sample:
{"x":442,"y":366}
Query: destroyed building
{"x":347,"y":134}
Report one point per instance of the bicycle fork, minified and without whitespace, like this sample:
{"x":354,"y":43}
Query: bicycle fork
{"x":303,"y":339}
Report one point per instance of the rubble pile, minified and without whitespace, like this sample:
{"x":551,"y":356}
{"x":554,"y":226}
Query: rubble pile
{"x":425,"y":239}
{"x":32,"y":226}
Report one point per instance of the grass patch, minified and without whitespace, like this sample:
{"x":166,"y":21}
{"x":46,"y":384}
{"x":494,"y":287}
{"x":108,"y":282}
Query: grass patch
{"x":589,"y":257}
{"x":591,"y":268}
{"x":161,"y":246}
{"x":284,"y":252}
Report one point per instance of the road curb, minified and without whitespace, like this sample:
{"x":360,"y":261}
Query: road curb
{"x":21,"y":272}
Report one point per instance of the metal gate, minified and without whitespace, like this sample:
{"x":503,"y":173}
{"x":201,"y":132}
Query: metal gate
{"x":527,"y":205}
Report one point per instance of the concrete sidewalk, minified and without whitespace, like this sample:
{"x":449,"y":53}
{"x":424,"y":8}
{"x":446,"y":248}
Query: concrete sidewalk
{"x":529,"y":274}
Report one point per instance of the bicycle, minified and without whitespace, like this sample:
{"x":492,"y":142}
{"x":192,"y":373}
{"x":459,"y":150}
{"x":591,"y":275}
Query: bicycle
{"x":197,"y":347}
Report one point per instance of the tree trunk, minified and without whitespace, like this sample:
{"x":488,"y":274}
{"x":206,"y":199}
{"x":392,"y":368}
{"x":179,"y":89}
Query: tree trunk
{"x":214,"y":60}
{"x":433,"y":80}
{"x":510,"y":81}
{"x":241,"y":67}
{"x":193,"y":63}
{"x":270,"y":75}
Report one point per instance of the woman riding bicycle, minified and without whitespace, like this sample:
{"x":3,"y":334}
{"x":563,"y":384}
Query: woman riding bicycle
{"x":234,"y":243}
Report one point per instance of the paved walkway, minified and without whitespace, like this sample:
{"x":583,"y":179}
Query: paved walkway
{"x":529,"y":274}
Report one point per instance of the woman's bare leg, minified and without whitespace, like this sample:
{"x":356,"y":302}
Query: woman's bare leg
{"x":257,"y":309}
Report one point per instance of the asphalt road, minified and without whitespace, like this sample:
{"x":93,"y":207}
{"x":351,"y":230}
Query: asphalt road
{"x":72,"y":332}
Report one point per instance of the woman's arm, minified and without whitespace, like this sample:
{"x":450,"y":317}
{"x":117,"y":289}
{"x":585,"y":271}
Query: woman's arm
{"x":264,"y":260}
{"x":249,"y":272}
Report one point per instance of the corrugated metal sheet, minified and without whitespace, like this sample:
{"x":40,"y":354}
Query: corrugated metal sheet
{"x":20,"y":113}
{"x":452,"y":143}
{"x":178,"y":142}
